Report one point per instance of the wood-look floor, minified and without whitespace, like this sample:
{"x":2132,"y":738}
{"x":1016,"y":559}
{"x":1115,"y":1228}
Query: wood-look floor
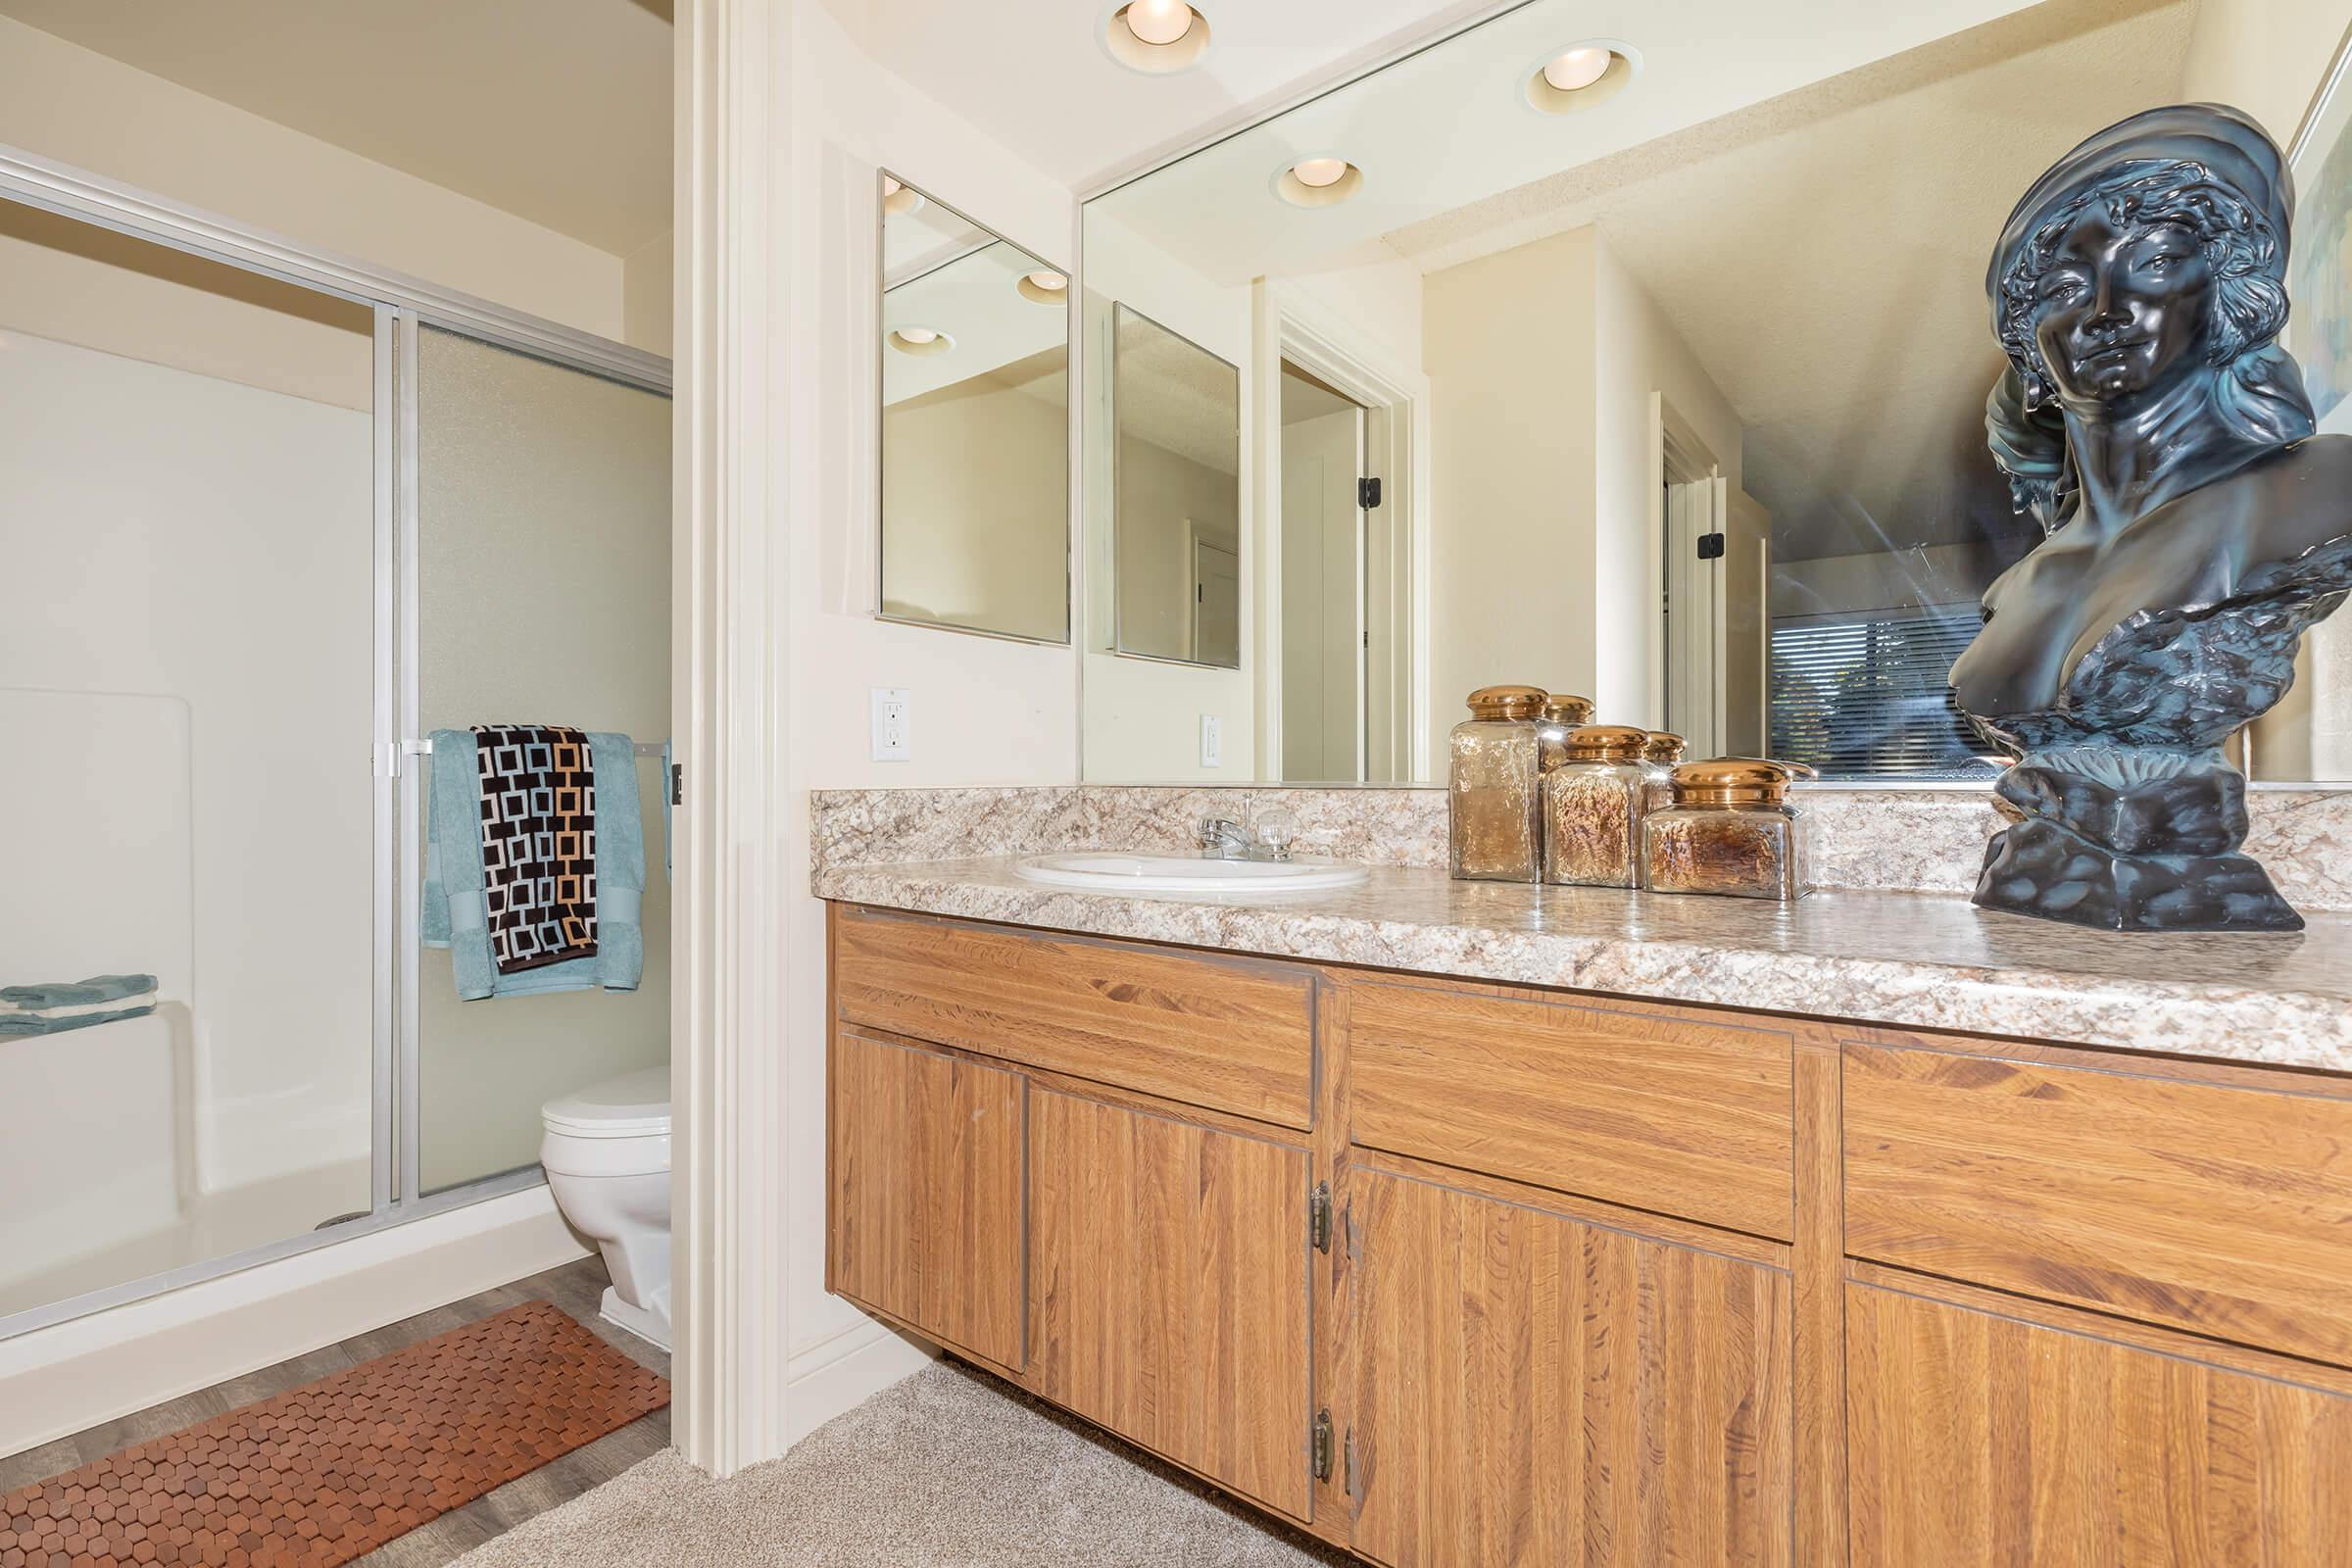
{"x":575,"y":1287}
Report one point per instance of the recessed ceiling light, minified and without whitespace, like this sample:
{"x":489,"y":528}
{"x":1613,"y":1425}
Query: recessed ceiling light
{"x":1155,"y":36}
{"x":1581,"y":76}
{"x":1158,"y":22}
{"x":920,"y":340}
{"x":1045,"y":287}
{"x":1321,"y":182}
{"x":1578,"y":67}
{"x":899,"y":197}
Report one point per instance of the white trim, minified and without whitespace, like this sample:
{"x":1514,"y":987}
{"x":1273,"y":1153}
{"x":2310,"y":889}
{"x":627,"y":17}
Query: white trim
{"x":102,"y":1365}
{"x":845,"y":1369}
{"x":729,"y":693}
{"x":76,"y":193}
{"x":1287,"y":326}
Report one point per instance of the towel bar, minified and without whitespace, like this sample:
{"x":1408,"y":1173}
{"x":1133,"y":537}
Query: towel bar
{"x":423,"y":746}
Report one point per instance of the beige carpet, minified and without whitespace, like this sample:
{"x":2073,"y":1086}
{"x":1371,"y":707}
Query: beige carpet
{"x":948,"y":1469}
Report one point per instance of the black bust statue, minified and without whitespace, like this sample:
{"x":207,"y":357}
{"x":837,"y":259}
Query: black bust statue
{"x":2194,"y":524}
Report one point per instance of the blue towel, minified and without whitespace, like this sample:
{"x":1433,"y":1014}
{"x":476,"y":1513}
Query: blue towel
{"x":50,"y":1010}
{"x":33,"y":1023}
{"x":456,"y":915}
{"x":78,"y":994}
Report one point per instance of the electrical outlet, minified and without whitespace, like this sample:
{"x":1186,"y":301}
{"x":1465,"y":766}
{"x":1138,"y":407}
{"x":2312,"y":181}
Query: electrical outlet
{"x":894,"y":723}
{"x":1212,"y":741}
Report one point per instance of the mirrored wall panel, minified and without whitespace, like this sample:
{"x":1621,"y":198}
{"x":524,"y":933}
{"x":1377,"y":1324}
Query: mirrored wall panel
{"x":1650,"y":367}
{"x":1176,"y":411}
{"x":975,"y":425}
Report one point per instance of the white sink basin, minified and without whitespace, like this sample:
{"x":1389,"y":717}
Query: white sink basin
{"x":1105,"y":872}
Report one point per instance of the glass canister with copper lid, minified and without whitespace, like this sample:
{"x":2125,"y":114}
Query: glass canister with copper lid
{"x":1561,"y":713}
{"x":1593,"y":803}
{"x":1732,"y":830}
{"x":1494,"y":805}
{"x":1659,"y":755}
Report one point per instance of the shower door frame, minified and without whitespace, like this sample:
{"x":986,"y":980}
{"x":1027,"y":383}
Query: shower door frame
{"x":402,"y":307}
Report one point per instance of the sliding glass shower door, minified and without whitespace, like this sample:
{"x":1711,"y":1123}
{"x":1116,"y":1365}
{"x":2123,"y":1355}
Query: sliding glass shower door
{"x":187,"y":675}
{"x":265,"y":521}
{"x":542,"y":594}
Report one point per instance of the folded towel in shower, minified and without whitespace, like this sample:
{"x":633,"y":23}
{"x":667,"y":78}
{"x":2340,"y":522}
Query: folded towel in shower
{"x":42,"y":1023}
{"x":457,"y":912}
{"x":49,"y":1010}
{"x":98,"y":988}
{"x":537,"y":800}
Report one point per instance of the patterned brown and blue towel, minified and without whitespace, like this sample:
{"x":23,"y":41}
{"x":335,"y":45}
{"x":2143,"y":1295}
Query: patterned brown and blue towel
{"x":538,"y":805}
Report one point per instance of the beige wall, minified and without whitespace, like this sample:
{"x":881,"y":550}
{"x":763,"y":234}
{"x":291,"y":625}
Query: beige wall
{"x":976,"y":479}
{"x":1544,"y":565}
{"x":71,"y":104}
{"x":2266,"y":56}
{"x":78,"y":283}
{"x":1508,"y":342}
{"x":648,"y":275}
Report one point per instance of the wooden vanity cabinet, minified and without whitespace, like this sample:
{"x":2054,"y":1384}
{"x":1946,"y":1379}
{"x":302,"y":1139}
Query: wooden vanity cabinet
{"x":1601,"y":1281}
{"x":1990,"y":1432}
{"x":924,"y":1191}
{"x":1536,"y":1389}
{"x":1168,"y":1288}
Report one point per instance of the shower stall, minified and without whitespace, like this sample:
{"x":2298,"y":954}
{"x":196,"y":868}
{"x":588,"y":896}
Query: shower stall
{"x":266,"y":519}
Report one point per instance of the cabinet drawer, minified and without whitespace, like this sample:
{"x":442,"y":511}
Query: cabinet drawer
{"x":2200,"y":1199}
{"x":1229,"y":1034}
{"x":1646,"y":1107}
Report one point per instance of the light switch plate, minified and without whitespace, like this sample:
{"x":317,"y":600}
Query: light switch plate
{"x":1212,"y":741}
{"x":894,"y":723}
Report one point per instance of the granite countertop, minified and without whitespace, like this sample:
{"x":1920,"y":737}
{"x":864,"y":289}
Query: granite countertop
{"x":1909,"y":959}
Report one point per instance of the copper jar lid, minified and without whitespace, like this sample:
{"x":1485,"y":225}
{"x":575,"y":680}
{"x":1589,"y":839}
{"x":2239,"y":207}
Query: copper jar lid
{"x":1605,"y":743}
{"x":1506,"y":702}
{"x":1563,"y":708}
{"x":1663,"y":746}
{"x":1734,"y":781}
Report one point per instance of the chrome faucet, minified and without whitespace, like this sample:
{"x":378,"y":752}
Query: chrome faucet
{"x":1220,"y":838}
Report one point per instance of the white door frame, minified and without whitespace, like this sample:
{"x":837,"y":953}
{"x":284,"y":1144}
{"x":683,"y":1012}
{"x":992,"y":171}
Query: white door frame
{"x":729,"y":692}
{"x":1285,"y":325}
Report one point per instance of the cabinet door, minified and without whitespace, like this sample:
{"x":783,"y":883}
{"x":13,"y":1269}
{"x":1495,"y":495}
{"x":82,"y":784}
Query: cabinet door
{"x":1168,"y":1288}
{"x":925,"y":1187}
{"x":1982,"y":1437}
{"x":1532,"y":1390}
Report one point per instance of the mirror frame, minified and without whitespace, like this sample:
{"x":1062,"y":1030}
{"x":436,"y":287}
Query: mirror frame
{"x":1241,"y":432}
{"x":1071,"y":478}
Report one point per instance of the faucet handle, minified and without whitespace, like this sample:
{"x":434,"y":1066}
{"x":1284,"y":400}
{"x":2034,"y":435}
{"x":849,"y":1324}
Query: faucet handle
{"x":1275,"y":831}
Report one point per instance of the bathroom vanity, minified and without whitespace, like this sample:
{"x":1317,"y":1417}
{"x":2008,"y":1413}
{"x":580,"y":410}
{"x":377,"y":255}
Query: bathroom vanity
{"x":1450,"y":1271}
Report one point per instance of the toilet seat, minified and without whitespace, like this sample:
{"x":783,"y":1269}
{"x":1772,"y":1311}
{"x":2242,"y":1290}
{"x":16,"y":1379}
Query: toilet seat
{"x":635,"y":1104}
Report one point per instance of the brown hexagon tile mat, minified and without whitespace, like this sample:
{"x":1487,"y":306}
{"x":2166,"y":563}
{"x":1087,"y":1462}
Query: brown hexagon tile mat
{"x":327,"y":1472}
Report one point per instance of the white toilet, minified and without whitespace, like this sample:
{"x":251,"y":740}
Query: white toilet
{"x":607,"y":1158}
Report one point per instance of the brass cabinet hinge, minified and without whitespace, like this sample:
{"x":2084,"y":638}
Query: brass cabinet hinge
{"x":1318,"y":1216}
{"x":1321,"y":1444}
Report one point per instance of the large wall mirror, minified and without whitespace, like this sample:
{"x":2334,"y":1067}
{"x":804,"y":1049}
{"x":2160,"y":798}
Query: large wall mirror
{"x":975,"y":425}
{"x":1649,"y":368}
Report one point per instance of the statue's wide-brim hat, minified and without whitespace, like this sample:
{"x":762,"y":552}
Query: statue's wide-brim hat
{"x":2227,"y":143}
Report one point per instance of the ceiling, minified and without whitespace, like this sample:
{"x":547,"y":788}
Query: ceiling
{"x":1176,"y":394}
{"x":1821,"y":248}
{"x":557,"y":110}
{"x":1451,"y":125}
{"x":1036,"y":75}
